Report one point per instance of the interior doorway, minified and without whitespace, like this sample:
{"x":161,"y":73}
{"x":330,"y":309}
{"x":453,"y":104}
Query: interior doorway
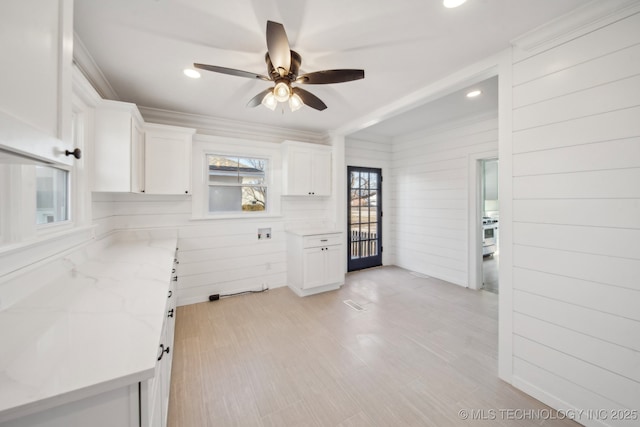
{"x":364,"y":217}
{"x":490,"y":225}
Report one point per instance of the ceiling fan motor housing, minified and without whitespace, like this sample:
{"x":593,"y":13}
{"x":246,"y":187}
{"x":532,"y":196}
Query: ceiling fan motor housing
{"x":294,"y":69}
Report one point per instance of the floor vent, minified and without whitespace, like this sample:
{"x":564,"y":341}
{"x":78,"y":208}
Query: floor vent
{"x":420,"y":275}
{"x":354,"y":305}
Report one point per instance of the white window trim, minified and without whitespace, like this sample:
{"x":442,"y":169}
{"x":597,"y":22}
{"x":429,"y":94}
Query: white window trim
{"x":205,"y":145}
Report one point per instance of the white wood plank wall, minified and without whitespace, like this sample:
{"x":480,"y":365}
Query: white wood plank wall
{"x":216,"y":257}
{"x":576,"y":229}
{"x":375,"y":152}
{"x":430,"y":197}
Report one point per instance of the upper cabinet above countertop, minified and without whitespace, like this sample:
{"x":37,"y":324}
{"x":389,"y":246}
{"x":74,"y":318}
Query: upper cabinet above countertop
{"x":118,"y":164}
{"x":137,"y":157}
{"x":167,"y":159}
{"x":36,"y":41}
{"x":306,"y":169}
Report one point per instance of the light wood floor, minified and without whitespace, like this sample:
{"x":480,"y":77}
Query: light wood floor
{"x":422,"y":351}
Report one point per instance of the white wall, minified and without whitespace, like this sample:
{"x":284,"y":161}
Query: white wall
{"x":576,"y":221}
{"x":375,"y":152}
{"x":218,"y":256}
{"x":430,"y":193}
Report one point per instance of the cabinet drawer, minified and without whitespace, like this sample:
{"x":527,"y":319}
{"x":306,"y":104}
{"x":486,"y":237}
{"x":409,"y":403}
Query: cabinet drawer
{"x":322,"y":240}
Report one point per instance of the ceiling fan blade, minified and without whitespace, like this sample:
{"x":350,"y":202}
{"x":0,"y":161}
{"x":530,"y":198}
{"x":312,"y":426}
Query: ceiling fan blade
{"x":231,"y":71}
{"x":310,"y":99}
{"x":257,"y":100}
{"x":278,"y":47}
{"x":330,"y":76}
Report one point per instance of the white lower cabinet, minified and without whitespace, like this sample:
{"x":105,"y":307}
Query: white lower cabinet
{"x":143,"y":404}
{"x":314,"y":262}
{"x":154,"y":393}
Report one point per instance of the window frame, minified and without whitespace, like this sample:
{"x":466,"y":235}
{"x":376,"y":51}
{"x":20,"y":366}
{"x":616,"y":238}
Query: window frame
{"x":266,"y":185}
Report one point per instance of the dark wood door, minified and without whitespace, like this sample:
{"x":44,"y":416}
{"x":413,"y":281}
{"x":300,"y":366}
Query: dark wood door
{"x":364,"y":217}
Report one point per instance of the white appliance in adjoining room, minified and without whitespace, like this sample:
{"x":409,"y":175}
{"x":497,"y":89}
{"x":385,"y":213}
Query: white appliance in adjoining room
{"x":489,"y":235}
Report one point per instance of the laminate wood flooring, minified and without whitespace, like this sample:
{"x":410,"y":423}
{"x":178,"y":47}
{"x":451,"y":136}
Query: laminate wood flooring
{"x":420,"y":352}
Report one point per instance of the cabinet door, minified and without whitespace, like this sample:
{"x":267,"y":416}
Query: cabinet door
{"x":137,"y":157}
{"x":167,"y":164}
{"x":321,"y":170}
{"x":333,"y":264}
{"x":314,"y":268}
{"x":299,"y":172}
{"x":112,"y":166}
{"x":35,"y":77}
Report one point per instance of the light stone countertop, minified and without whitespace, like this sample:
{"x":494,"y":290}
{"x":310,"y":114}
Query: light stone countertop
{"x":92,"y":329}
{"x":312,"y":231}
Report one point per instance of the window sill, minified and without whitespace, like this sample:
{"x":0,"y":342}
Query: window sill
{"x":235,"y":216}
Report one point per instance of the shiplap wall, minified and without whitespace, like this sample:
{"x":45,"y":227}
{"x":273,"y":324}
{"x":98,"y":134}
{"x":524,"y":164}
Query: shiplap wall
{"x":375,"y":152}
{"x":430,"y":197}
{"x":216,"y":256}
{"x":576,"y":221}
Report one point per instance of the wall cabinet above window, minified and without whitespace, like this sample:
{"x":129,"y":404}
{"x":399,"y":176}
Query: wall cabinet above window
{"x":306,"y":169}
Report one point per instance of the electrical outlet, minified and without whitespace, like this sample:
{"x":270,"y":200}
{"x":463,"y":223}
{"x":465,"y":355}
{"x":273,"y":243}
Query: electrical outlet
{"x":264,"y":233}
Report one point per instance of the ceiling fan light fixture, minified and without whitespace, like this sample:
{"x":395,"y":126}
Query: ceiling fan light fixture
{"x":270,"y":101}
{"x":452,"y":3}
{"x":295,"y":102}
{"x":282,"y":92}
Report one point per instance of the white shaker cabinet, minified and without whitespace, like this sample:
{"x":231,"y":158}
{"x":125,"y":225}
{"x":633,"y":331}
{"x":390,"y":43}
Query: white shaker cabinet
{"x":167,"y":159}
{"x":306,"y":169}
{"x":314,"y":260}
{"x":36,"y":41}
{"x":118,"y":159}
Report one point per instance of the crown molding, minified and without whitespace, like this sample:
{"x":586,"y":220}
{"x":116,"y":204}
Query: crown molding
{"x":83,"y":89}
{"x":215,"y":126}
{"x":85,"y":63}
{"x":590,"y":17}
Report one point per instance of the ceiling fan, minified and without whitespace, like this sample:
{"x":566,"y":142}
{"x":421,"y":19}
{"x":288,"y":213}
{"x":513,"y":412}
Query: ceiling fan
{"x":283,"y":65}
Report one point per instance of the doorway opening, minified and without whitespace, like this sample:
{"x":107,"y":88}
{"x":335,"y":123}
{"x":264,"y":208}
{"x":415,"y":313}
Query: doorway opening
{"x":490,"y":207}
{"x":364,"y":218}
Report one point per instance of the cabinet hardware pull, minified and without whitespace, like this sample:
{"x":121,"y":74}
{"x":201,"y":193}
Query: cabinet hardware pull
{"x":186,"y":191}
{"x":170,"y":313}
{"x":175,"y":278}
{"x":173,"y":270}
{"x":142,"y":191}
{"x":324,"y":240}
{"x":163,"y":350}
{"x":77,"y":153}
{"x":170,"y":294}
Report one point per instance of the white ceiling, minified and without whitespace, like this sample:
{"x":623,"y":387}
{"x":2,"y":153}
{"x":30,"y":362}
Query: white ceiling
{"x":452,"y":107}
{"x":142,"y":46}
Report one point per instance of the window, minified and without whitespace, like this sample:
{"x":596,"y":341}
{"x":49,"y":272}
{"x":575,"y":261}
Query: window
{"x":52,"y":195}
{"x":236,"y":184}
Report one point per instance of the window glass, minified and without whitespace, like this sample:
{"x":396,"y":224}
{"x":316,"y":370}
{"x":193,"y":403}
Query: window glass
{"x":236,"y":184}
{"x":52,"y":195}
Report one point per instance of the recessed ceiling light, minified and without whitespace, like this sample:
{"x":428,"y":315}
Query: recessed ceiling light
{"x":473,"y":93}
{"x":191,"y":73}
{"x":452,"y":3}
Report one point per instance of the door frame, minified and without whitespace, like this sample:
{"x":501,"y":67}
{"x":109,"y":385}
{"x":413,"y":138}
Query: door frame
{"x":474,"y":223}
{"x":380,"y":215}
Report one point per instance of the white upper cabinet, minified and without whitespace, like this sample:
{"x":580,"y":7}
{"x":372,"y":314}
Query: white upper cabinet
{"x":167,"y":159}
{"x":36,"y":41}
{"x":306,"y":169}
{"x":118,"y":148}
